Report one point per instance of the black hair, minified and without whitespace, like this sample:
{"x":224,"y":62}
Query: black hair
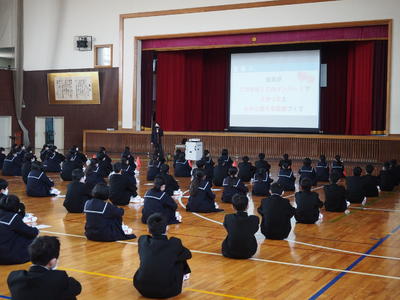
{"x":164,"y":168}
{"x":184,"y":140}
{"x":181,"y":157}
{"x":158,"y":183}
{"x":245,"y":159}
{"x":334,"y":177}
{"x":127,"y":149}
{"x":306,"y":184}
{"x":157,"y":224}
{"x":232,"y":176}
{"x":224,"y":152}
{"x":322,"y":158}
{"x":2,"y":149}
{"x":200,"y":164}
{"x":43,"y":249}
{"x":77,"y":174}
{"x":28,"y":156}
{"x":37,"y":166}
{"x":357,"y":171}
{"x":369,"y":169}
{"x":11,"y":203}
{"x":337,"y":157}
{"x":307,"y":161}
{"x":101,"y":191}
{"x":240,"y":202}
{"x":194,"y":185}
{"x":261,"y":155}
{"x":117,"y":167}
{"x":393,"y":162}
{"x":285,"y":156}
{"x":276,"y":188}
{"x":206,"y":152}
{"x":386,"y":165}
{"x":3,"y":184}
{"x":91,"y":167}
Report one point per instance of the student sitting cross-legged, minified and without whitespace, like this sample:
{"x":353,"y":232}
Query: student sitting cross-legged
{"x":38,"y":184}
{"x":77,"y":193}
{"x":276,"y":213}
{"x":42,"y":280}
{"x":354,"y":184}
{"x":232,"y":185}
{"x":240,"y":242}
{"x":15,"y":235}
{"x":104,"y":219}
{"x":163,"y":262}
{"x":370,"y":182}
{"x":308,"y":203}
{"x":157,"y":200}
{"x":246,"y":170}
{"x":286,"y":177}
{"x":261,"y":183}
{"x":121,"y":187}
{"x":335,"y":195}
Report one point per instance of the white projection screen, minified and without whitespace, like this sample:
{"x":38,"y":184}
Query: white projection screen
{"x":275,"y":91}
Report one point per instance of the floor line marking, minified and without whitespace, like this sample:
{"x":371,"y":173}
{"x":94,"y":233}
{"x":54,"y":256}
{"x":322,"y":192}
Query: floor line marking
{"x":266,"y":260}
{"x":5,"y":297}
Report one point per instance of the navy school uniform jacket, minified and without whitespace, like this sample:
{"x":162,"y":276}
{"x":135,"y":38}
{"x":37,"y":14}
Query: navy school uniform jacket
{"x":220,"y":172}
{"x":43,"y":154}
{"x":261,"y":186}
{"x":308,"y":172}
{"x":159,"y":202}
{"x":370,"y":185}
{"x":227,"y":160}
{"x":286,"y":179}
{"x":66,"y":169}
{"x":12,"y":165}
{"x":335,"y":198}
{"x":240,"y":241}
{"x":104,"y":221}
{"x":121,"y":189}
{"x":276,"y":213}
{"x":25,"y":169}
{"x":162,"y":266}
{"x":171,"y":184}
{"x":262,"y":164}
{"x":236,"y":187}
{"x":209,"y":168}
{"x":40,"y":283}
{"x":246,"y":171}
{"x":38,"y":185}
{"x":182,"y":169}
{"x":129,"y":171}
{"x":386,"y":181}
{"x":153,"y":169}
{"x":308,"y":205}
{"x":203,"y":201}
{"x":354,"y":191}
{"x":322,"y":171}
{"x":94,"y":178}
{"x":338,"y":167}
{"x":2,"y":157}
{"x":15,"y":237}
{"x":53,"y":162}
{"x":77,"y":195}
{"x":105,"y":166}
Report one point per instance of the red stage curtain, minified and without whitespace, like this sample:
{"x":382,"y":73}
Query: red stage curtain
{"x":359,"y":88}
{"x":147,"y":88}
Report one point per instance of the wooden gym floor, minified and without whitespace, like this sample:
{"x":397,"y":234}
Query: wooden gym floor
{"x":346,"y":256}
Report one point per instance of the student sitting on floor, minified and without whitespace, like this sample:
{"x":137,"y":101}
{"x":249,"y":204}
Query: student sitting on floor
{"x":3,"y":188}
{"x":354,"y":187}
{"x":77,"y":193}
{"x":42,"y":280}
{"x":261,"y":163}
{"x":307,"y":171}
{"x":105,"y":165}
{"x":286,"y":177}
{"x":220,"y":172}
{"x":129,"y":157}
{"x":395,"y":171}
{"x":2,"y":157}
{"x":92,"y":174}
{"x":201,"y":197}
{"x":121,"y":188}
{"x":182,"y":167}
{"x":163,"y":262}
{"x":104,"y":219}
{"x":338,"y":166}
{"x":29,"y":157}
{"x":285,"y":159}
{"x":53,"y":160}
{"x":335,"y":195}
{"x":240,"y":241}
{"x":322,"y":169}
{"x":12,"y":163}
{"x":15,"y":235}
{"x":38,"y":184}
{"x":171,"y":185}
{"x":246,"y":169}
{"x":232,"y":185}
{"x":153,"y":168}
{"x":157,"y":200}
{"x":209,"y":165}
{"x":43,"y":152}
{"x":261,"y":183}
{"x":276,"y":213}
{"x":71,"y":162}
{"x":200,"y":165}
{"x":308,"y":203}
{"x":386,"y":180}
{"x":226,"y":158}
{"x":370,"y":182}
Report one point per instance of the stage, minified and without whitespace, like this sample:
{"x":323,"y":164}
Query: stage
{"x":374,"y":149}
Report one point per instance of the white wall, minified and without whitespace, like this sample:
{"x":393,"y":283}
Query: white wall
{"x":50,"y":26}
{"x":7,"y":23}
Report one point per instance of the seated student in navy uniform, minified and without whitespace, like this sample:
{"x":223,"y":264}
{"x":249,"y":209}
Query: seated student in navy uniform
{"x":261,"y":183}
{"x":335,"y":195}
{"x":176,"y":156}
{"x":261,"y":163}
{"x":308,"y":171}
{"x":104,"y":219}
{"x":240,"y":242}
{"x":163,"y":262}
{"x":104,"y":164}
{"x":232,"y":185}
{"x":171,"y":184}
{"x":77,"y":192}
{"x":354,"y":187}
{"x":2,"y":157}
{"x":308,"y":203}
{"x":220,"y":172}
{"x":276,"y":213}
{"x":209,"y":165}
{"x":128,"y":170}
{"x":182,"y":167}
{"x":3,"y":188}
{"x":129,"y":157}
{"x":246,"y":169}
{"x":53,"y":160}
{"x":29,"y":157}
{"x":42,"y":280}
{"x":157,"y":200}
{"x":71,"y":162}
{"x":38,"y":184}
{"x":121,"y":188}
{"x":201,"y":198}
{"x":153,"y":169}
{"x":286,"y":177}
{"x":338,"y":166}
{"x":285,"y":159}
{"x":395,"y":171}
{"x":43,"y":152}
{"x":92,"y":174}
{"x":200,"y":165}
{"x":15,"y":235}
{"x":386,"y":180}
{"x":227,"y":159}
{"x":12,"y":164}
{"x":370,"y":182}
{"x":322,"y":169}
